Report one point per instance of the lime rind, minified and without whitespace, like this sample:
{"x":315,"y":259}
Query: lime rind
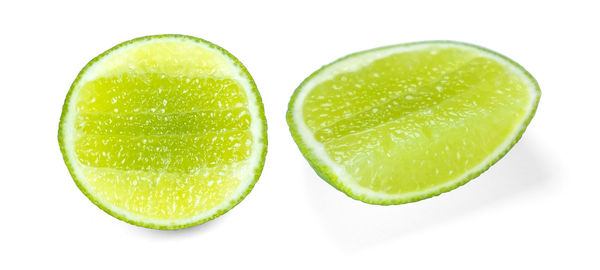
{"x":334,"y":174}
{"x":260,"y":140}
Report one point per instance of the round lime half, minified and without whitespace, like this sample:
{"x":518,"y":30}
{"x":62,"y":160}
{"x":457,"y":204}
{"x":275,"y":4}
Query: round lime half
{"x":403,"y":123}
{"x":164,"y":131}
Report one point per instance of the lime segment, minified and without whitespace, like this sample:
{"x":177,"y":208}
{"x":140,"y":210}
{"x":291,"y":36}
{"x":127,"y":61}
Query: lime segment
{"x":164,"y":131}
{"x":407,"y":122}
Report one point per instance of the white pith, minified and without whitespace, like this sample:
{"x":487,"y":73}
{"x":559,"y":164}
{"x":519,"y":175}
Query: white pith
{"x":246,"y":176}
{"x":355,"y":62}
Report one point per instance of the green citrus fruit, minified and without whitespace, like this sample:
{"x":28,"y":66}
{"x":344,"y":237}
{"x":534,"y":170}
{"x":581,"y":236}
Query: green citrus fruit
{"x":403,"y":123}
{"x":164,"y":131}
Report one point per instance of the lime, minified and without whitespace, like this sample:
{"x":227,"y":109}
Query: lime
{"x":403,"y":123}
{"x":164,"y":131}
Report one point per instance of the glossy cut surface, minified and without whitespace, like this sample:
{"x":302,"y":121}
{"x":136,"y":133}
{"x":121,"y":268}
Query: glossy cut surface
{"x":165,"y":131}
{"x":403,"y":122}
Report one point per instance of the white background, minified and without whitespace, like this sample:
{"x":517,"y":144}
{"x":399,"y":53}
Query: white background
{"x":537,"y":208}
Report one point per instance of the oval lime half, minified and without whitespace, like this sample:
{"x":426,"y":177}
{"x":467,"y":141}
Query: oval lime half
{"x":164,"y":131}
{"x":403,"y":123}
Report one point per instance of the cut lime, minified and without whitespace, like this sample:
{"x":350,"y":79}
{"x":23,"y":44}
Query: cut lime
{"x":164,"y":131}
{"x":403,"y":123}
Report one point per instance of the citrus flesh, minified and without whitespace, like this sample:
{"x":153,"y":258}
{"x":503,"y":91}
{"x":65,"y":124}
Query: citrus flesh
{"x":164,"y":131}
{"x":407,"y":122}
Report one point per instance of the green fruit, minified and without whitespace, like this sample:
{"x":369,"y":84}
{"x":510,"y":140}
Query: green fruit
{"x":164,"y":132}
{"x":403,"y":123}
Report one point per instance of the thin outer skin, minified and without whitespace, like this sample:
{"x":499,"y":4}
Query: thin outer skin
{"x":233,"y":203}
{"x":329,"y":176}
